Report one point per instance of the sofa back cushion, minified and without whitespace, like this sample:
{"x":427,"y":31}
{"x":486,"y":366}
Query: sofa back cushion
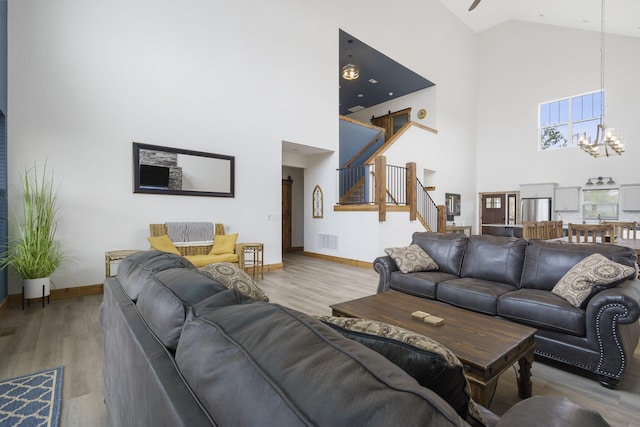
{"x":264,"y":364}
{"x":446,"y":249}
{"x":167,"y":296}
{"x":493,"y":258}
{"x":547,"y":262}
{"x":134,"y":270}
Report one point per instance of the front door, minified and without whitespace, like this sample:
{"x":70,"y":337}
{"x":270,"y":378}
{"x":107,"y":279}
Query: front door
{"x":493,"y":209}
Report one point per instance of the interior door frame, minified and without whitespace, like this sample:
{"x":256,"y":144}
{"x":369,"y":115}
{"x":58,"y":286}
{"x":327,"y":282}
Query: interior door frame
{"x":506,"y":195}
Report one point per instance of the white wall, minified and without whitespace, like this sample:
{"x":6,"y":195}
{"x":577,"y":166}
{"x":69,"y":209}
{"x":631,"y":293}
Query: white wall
{"x":523,"y":64}
{"x":86,"y":79}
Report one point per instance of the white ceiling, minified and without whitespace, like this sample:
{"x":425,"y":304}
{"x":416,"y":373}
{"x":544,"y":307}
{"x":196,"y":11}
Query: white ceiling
{"x":621,"y":16}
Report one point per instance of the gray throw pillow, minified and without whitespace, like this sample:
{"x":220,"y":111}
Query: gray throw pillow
{"x":593,"y":271}
{"x":411,"y":258}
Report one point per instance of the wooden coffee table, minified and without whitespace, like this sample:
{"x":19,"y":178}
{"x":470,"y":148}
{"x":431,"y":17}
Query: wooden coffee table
{"x":486,"y":346}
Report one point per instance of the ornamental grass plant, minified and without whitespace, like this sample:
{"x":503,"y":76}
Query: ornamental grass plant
{"x":33,"y":252}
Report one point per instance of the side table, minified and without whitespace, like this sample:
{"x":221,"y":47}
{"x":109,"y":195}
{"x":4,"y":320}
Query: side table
{"x":114,"y":257}
{"x":254,"y":257}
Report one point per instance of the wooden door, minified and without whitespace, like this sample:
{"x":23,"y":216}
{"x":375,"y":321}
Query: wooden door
{"x":493,"y":208}
{"x":286,"y":214}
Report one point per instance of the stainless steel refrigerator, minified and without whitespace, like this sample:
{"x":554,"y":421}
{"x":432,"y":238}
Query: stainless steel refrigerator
{"x":536,"y":209}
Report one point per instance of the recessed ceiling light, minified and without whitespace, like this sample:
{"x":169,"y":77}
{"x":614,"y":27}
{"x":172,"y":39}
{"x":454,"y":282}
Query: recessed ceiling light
{"x":390,"y":93}
{"x":373,"y":81}
{"x":360,"y":95}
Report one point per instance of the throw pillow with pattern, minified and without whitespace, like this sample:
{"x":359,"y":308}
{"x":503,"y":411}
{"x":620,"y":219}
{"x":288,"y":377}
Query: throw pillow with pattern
{"x":233,"y":277}
{"x":411,"y":258}
{"x":594,"y":271}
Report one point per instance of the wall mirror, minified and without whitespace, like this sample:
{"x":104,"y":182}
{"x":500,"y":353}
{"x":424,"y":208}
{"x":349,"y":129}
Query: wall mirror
{"x":452,"y":201}
{"x":167,"y":170}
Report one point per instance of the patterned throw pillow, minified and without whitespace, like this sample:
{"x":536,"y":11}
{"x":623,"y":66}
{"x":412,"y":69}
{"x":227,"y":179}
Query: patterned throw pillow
{"x":427,"y":354}
{"x":233,"y":277}
{"x":411,"y":258}
{"x":593,"y":271}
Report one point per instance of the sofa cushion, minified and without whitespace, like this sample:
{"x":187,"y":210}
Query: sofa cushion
{"x":202,"y":260}
{"x":134,"y":270}
{"x":163,"y":243}
{"x":224,"y":244}
{"x":411,"y":258}
{"x":422,"y":284}
{"x":546,"y":262}
{"x":446,"y":249}
{"x":542,"y":309}
{"x":473,"y":294}
{"x":433,"y":365}
{"x":232,"y":276}
{"x":166,"y":298}
{"x":589,"y":276}
{"x":497,"y":259}
{"x":264,"y":364}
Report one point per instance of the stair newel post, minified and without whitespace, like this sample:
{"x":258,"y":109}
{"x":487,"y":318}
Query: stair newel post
{"x":412,"y":195}
{"x":442,"y":219}
{"x":381,"y":187}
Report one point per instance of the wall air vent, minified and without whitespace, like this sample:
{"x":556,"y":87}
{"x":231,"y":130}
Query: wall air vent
{"x":327,"y":241}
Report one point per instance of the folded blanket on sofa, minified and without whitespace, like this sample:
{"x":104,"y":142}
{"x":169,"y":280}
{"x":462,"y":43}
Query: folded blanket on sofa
{"x":190,"y":231}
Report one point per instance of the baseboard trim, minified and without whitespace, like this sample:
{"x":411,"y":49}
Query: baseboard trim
{"x":57,"y":294}
{"x":347,"y":261}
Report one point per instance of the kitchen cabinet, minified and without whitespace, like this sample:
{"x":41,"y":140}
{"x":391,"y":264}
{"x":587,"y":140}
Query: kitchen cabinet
{"x":630,"y":197}
{"x":567,"y":199}
{"x":537,"y":190}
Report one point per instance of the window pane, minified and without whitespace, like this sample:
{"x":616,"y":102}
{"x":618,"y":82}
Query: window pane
{"x":563,"y":112}
{"x":544,"y":115}
{"x":600,"y":204}
{"x":577,"y":108}
{"x":554,"y":137}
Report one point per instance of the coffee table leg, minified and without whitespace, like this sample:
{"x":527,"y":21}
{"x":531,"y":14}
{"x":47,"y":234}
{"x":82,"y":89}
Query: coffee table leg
{"x":483,"y":393}
{"x":524,"y":377}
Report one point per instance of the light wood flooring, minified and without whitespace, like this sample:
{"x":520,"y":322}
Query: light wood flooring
{"x":67,"y":333}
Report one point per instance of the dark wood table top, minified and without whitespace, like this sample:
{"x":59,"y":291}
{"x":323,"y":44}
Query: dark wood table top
{"x":486,"y":345}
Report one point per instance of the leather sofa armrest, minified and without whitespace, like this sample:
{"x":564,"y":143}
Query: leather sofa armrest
{"x":550,"y":411}
{"x":611,"y":327}
{"x":384,"y":265}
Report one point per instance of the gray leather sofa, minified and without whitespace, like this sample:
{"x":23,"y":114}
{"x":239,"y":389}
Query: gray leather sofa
{"x":180,"y":349}
{"x":512,"y":278}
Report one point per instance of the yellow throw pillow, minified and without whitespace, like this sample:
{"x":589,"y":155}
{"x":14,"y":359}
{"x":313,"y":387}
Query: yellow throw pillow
{"x":163,"y":243}
{"x":224,"y":244}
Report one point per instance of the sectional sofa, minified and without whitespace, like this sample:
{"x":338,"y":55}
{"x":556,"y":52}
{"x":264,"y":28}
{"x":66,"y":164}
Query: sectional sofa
{"x":182,"y":348}
{"x":515,"y":279}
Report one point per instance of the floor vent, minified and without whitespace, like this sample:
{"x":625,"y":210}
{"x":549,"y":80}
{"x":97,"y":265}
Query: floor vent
{"x":327,"y":241}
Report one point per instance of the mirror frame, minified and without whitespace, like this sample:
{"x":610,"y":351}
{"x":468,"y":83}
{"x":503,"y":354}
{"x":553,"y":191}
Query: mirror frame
{"x":136,"y":172}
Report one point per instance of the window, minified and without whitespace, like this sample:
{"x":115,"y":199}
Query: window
{"x":493,"y":202}
{"x":562,"y":121}
{"x":600,"y":204}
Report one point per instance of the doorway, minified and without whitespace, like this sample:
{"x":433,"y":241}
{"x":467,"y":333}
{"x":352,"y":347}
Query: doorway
{"x":287,"y":199}
{"x":498,"y":208}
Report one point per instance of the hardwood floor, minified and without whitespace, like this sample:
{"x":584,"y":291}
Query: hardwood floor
{"x":67,"y":333}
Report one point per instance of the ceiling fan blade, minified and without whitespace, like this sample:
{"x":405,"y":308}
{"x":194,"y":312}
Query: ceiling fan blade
{"x":473,"y":6}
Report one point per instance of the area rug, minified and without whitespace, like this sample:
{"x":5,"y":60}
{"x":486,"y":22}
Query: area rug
{"x":31,"y":400}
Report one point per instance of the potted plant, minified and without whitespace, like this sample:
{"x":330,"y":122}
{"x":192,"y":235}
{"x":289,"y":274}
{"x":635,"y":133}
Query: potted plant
{"x":33,"y":252}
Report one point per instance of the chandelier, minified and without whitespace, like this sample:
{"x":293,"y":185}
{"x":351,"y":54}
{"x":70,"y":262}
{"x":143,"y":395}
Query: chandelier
{"x":607,"y":142}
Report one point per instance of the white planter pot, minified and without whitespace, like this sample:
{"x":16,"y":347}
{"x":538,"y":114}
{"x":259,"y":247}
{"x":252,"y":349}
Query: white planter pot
{"x":33,"y":287}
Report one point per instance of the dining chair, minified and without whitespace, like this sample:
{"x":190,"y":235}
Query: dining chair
{"x":624,"y":229}
{"x":552,"y":229}
{"x":533,"y":230}
{"x":585,"y":233}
